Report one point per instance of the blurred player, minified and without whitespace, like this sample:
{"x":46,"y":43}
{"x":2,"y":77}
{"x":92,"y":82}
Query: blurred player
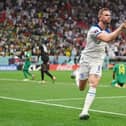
{"x":119,"y":75}
{"x":73,"y":74}
{"x":27,"y":64}
{"x":45,"y":64}
{"x":92,"y":57}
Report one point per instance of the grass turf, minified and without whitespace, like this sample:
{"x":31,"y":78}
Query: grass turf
{"x":32,"y":103}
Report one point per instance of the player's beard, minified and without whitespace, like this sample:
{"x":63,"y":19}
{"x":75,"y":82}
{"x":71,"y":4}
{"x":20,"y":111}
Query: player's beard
{"x":106,"y":23}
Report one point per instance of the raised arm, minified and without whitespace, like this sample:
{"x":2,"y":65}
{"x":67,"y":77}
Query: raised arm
{"x":108,"y":37}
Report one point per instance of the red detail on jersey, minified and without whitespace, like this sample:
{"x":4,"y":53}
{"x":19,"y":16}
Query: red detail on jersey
{"x":95,"y":31}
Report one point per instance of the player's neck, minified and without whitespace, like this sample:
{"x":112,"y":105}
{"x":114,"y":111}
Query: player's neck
{"x":102,"y":25}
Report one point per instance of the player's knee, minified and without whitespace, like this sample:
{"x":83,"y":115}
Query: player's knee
{"x":82,"y":85}
{"x":94,"y":80}
{"x":94,"y":85}
{"x":81,"y":88}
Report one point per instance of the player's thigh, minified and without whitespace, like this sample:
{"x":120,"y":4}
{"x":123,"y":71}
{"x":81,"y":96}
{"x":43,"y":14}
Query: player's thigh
{"x":44,"y":67}
{"x":83,"y":75}
{"x":83,"y":71}
{"x":95,"y":74}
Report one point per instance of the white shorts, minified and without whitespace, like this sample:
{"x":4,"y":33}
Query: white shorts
{"x":87,"y":69}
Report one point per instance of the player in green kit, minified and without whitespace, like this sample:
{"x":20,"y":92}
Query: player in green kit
{"x":27,"y":65}
{"x":119,"y":75}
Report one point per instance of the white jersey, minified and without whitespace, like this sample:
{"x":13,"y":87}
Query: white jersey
{"x":95,"y":49}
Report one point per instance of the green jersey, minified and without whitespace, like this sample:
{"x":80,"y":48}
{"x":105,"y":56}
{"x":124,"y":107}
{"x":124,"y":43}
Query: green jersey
{"x":28,"y":55}
{"x":27,"y":60}
{"x":120,"y":72}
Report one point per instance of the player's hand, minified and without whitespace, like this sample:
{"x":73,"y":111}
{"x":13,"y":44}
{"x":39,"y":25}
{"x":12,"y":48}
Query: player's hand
{"x":123,"y":26}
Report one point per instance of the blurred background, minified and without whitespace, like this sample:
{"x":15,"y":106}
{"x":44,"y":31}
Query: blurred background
{"x":61,"y":25}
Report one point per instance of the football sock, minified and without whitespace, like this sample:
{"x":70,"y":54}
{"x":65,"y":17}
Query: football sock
{"x":77,"y":78}
{"x":29,"y":73}
{"x":42,"y":75}
{"x":47,"y":72}
{"x":89,"y":100}
{"x":25,"y":74}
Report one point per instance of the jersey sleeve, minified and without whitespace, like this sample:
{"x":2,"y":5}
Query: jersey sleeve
{"x":95,"y":31}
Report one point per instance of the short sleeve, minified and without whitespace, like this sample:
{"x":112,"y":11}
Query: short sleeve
{"x":94,"y":31}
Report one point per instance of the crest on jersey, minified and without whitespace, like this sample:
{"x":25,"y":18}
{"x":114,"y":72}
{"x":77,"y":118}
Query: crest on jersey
{"x":96,"y":31}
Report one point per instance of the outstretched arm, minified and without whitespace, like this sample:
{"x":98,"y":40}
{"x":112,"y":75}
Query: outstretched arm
{"x":108,"y":37}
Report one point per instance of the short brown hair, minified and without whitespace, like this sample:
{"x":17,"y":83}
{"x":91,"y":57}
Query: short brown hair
{"x":102,"y":10}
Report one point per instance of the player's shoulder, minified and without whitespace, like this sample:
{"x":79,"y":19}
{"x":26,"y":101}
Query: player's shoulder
{"x":96,"y":26}
{"x":95,"y":29}
{"x":116,"y":66}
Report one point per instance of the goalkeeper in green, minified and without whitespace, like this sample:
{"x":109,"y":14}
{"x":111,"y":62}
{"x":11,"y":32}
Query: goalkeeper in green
{"x":27,"y":65}
{"x":119,"y":75}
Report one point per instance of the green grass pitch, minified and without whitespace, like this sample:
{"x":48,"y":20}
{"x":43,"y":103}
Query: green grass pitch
{"x":31,"y":103}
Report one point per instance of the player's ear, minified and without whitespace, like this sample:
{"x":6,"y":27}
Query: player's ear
{"x":99,"y":16}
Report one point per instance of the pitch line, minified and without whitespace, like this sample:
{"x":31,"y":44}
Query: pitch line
{"x":75,"y":99}
{"x":111,"y":97}
{"x":59,"y":99}
{"x":15,"y":80}
{"x":61,"y":106}
{"x":56,"y":83}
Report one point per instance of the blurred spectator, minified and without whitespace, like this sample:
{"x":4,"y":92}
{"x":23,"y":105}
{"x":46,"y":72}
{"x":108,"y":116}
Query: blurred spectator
{"x":61,"y":24}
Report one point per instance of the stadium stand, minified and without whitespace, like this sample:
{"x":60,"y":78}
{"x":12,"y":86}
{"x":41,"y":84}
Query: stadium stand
{"x":61,"y":24}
